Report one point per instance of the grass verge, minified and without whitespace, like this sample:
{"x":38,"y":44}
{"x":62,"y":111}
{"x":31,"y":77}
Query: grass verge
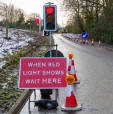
{"x":9,"y":92}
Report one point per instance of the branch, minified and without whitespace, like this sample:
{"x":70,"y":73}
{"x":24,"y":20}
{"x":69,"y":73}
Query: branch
{"x":94,"y":2}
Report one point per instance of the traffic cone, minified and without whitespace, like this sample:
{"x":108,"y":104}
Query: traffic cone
{"x":71,"y":102}
{"x":99,"y":44}
{"x":73,"y":72}
{"x":70,"y":61}
{"x":92,"y":42}
{"x":80,"y":41}
{"x":70,"y":58}
{"x":86,"y":42}
{"x":71,"y":68}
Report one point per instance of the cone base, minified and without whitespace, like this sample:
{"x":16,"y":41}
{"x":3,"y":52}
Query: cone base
{"x":77,"y":82}
{"x":77,"y":108}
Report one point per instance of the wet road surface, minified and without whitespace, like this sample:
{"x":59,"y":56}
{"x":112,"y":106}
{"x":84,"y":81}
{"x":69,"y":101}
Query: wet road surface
{"x":94,"y":66}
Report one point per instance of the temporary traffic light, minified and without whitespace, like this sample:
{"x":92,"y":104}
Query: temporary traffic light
{"x":50,"y":19}
{"x":37,"y":20}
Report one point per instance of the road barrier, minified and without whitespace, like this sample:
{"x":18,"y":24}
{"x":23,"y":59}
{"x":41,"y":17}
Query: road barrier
{"x":80,"y":41}
{"x":71,"y":35}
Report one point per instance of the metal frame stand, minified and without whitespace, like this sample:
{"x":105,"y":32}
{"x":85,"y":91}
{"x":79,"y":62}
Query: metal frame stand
{"x":56,"y":94}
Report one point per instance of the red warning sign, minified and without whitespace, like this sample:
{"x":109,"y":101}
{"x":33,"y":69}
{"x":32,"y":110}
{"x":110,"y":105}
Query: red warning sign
{"x":39,"y":73}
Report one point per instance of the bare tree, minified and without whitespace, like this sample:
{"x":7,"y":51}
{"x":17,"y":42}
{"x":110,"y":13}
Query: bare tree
{"x":32,"y":15}
{"x":10,"y":14}
{"x":7,"y":14}
{"x":11,"y":11}
{"x":75,"y":7}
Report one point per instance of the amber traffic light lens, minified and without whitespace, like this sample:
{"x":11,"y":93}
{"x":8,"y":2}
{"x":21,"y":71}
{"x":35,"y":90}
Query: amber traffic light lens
{"x":50,"y":18}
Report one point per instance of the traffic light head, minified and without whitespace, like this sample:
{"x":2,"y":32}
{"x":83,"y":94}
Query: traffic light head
{"x":50,"y":18}
{"x":37,"y":20}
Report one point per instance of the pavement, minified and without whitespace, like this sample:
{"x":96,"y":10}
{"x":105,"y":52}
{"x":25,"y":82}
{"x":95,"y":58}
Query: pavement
{"x":94,"y":68}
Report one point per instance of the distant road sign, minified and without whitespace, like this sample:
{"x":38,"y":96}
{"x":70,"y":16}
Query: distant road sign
{"x":84,"y":35}
{"x":42,"y":73}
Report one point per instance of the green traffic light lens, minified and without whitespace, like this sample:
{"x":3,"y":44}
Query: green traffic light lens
{"x":50,"y":26}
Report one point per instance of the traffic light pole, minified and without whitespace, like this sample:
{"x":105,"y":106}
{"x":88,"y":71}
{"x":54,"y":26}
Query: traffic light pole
{"x":50,"y":44}
{"x":56,"y":94}
{"x":50,"y":24}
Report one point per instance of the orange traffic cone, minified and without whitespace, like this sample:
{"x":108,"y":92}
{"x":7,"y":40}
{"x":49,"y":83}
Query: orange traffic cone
{"x":71,"y":68}
{"x":80,"y":41}
{"x":70,"y":58}
{"x":71,"y":102}
{"x":92,"y":42}
{"x":99,"y":44}
{"x":86,"y":42}
{"x":73,"y":72}
{"x":70,"y":61}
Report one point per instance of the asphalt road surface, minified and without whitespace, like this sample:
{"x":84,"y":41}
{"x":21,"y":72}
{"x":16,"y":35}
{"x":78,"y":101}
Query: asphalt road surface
{"x":94,"y":66}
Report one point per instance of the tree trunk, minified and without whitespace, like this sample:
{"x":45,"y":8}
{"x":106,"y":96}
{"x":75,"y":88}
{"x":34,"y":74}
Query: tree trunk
{"x":6,"y":30}
{"x":80,"y":26}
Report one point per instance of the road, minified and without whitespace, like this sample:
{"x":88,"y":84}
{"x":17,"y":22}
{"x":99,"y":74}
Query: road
{"x":94,"y":66}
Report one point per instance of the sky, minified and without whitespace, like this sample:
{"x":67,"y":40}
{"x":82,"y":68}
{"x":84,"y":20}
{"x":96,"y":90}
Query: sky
{"x":36,"y":6}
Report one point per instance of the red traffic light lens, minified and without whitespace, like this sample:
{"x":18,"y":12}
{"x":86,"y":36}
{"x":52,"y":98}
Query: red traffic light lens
{"x":49,"y":10}
{"x":37,"y":20}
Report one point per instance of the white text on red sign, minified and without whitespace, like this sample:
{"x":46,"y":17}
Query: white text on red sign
{"x":42,"y":73}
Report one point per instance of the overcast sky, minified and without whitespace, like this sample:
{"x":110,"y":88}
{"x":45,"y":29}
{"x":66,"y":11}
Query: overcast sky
{"x":36,"y":6}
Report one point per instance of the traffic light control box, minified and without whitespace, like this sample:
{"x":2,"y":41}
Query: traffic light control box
{"x":50,"y":17}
